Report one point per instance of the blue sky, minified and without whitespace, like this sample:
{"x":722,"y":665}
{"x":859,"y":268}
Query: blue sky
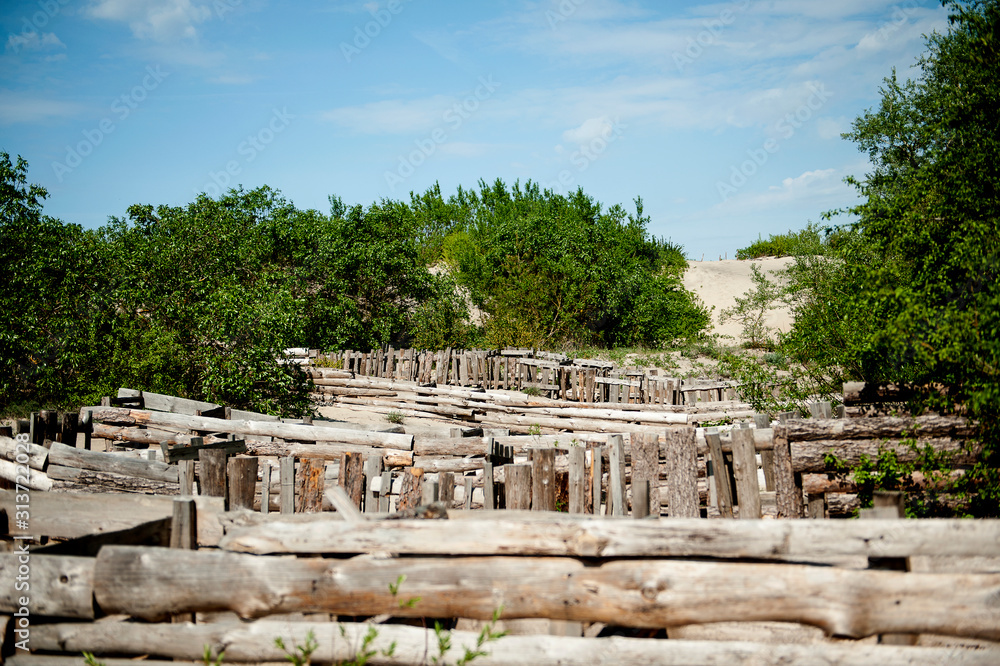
{"x":724,"y":117}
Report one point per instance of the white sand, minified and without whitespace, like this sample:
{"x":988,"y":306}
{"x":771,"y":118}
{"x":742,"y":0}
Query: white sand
{"x":718,"y":283}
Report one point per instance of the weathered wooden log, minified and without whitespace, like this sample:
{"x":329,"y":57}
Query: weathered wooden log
{"x":37,"y":455}
{"x":787,"y":493}
{"x":74,"y":515}
{"x":635,"y":416}
{"x":444,"y":410}
{"x":88,"y":480}
{"x":67,"y":456}
{"x":811,"y":456}
{"x":682,"y":474}
{"x":474,"y":446}
{"x":338,"y":643}
{"x":149,"y":437}
{"x":553,"y":534}
{"x":190,"y":451}
{"x":645,"y":451}
{"x":798,"y":430}
{"x":258,"y":428}
{"x":543,"y":480}
{"x":241,"y":474}
{"x":581,"y":424}
{"x":816,"y":484}
{"x":15,"y":474}
{"x":57,"y":585}
{"x":390,"y":457}
{"x":169,"y":403}
{"x":745,"y":472}
{"x":151,"y":582}
{"x":309,"y":484}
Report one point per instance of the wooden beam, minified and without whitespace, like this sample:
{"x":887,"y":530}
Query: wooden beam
{"x":150,"y":583}
{"x":338,"y":641}
{"x":68,"y":456}
{"x":59,"y":585}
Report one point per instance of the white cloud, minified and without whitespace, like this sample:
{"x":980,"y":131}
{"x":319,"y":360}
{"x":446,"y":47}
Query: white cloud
{"x":591,"y":129}
{"x":158,"y":20}
{"x":19,"y":108}
{"x":33,"y":41}
{"x":832,"y":128}
{"x":395,"y":116}
{"x":232,"y":79}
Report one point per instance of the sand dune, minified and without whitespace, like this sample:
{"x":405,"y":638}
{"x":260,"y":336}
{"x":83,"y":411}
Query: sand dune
{"x":718,"y":283}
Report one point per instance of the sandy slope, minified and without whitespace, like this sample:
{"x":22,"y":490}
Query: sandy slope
{"x":718,"y":283}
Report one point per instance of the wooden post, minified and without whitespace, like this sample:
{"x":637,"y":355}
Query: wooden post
{"x":724,"y":491}
{"x":411,"y":493}
{"x":787,"y":489}
{"x":745,"y":470}
{"x":543,"y":479}
{"x":517,"y":486}
{"x":352,"y":476}
{"x":265,"y":489}
{"x":467,"y":501}
{"x":577,"y":479}
{"x":640,"y":498}
{"x":68,"y":427}
{"x":889,"y":505}
{"x":597,"y":477}
{"x":766,"y":457}
{"x":646,"y":467}
{"x":212,"y":472}
{"x":821,"y":410}
{"x":287,"y":472}
{"x":185,"y":475}
{"x":86,"y":425}
{"x":446,"y":488}
{"x":309,"y":485}
{"x":681,"y":458}
{"x":242,"y":472}
{"x":489,"y":489}
{"x":616,"y":470}
{"x":184,"y":524}
{"x":384,"y":490}
{"x":429,"y":493}
{"x":372,"y":469}
{"x":816,"y":506}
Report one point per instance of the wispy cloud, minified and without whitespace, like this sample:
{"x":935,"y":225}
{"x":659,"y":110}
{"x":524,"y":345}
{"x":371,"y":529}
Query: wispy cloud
{"x":158,"y":20}
{"x":18,"y":108}
{"x":34,"y":41}
{"x":395,"y":116}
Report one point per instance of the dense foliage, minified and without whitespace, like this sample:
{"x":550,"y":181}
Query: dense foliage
{"x":199,"y":300}
{"x":808,"y":241}
{"x":910,"y":292}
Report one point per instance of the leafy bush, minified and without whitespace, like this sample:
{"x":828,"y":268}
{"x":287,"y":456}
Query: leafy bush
{"x":807,"y":241}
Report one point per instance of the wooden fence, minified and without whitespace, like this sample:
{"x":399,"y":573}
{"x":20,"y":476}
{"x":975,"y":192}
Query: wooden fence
{"x":548,"y":374}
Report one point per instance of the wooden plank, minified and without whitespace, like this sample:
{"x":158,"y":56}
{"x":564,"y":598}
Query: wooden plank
{"x":253,"y":428}
{"x":254,"y":642}
{"x":517,"y":487}
{"x":543,"y":480}
{"x":745,"y":471}
{"x":597,"y":478}
{"x":242,"y":478}
{"x":184,"y":524}
{"x":189,"y":450}
{"x":286,"y":469}
{"x":724,"y":491}
{"x":682,"y":474}
{"x":87,"y":480}
{"x":212,"y":472}
{"x":351,"y":477}
{"x":150,"y":582}
{"x":646,"y":467}
{"x":787,"y":491}
{"x":578,"y":479}
{"x":309,"y":485}
{"x":75,"y":515}
{"x":265,"y":488}
{"x":67,"y":456}
{"x":59,"y":585}
{"x":810,"y":456}
{"x":616,"y":471}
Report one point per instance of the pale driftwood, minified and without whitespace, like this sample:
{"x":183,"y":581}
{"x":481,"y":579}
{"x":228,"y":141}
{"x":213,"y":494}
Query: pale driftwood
{"x":87,"y":480}
{"x":33,"y":480}
{"x":576,"y":424}
{"x":74,"y":515}
{"x":682,"y":474}
{"x":152,"y":582}
{"x":67,"y":456}
{"x":343,"y":504}
{"x":403,"y":407}
{"x":390,"y":457}
{"x":10,"y":448}
{"x":169,"y":403}
{"x":798,"y":430}
{"x":258,"y":428}
{"x":59,"y":585}
{"x":338,"y":642}
{"x":554,"y":534}
{"x":148,"y":437}
{"x":636,"y":416}
{"x":745,"y":472}
{"x":811,"y":456}
{"x":474,"y":446}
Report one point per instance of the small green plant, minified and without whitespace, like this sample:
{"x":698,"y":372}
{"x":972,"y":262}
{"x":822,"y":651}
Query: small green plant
{"x":326,"y":362}
{"x":298,"y":655}
{"x":394,"y":417}
{"x":209,"y":660}
{"x":751,"y":310}
{"x":365,"y":651}
{"x":91,"y":660}
{"x":394,"y":590}
{"x":533,"y":391}
{"x":535,"y":430}
{"x":488,"y":634}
